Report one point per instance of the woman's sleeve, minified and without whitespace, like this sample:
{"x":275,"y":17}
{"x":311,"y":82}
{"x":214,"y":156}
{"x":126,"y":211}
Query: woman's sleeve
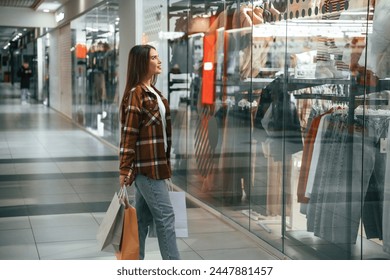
{"x":130,"y":123}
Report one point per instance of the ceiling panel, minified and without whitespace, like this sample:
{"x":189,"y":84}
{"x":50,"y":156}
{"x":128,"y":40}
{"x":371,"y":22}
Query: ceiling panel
{"x":18,"y":3}
{"x":7,"y":32}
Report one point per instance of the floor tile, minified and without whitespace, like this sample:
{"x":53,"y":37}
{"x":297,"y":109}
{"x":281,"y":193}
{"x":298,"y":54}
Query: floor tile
{"x":17,"y":244}
{"x":63,"y":220}
{"x":13,"y":211}
{"x":36,"y":168}
{"x":94,"y":181}
{"x":46,"y":189}
{"x":66,"y":153}
{"x":8,"y":223}
{"x":18,"y":252}
{"x":235,"y":254}
{"x":190,"y":255}
{"x":8,"y":184}
{"x":10,"y":192}
{"x":218,"y":240}
{"x":65,"y":208}
{"x":96,"y":196}
{"x":199,"y":214}
{"x":74,"y":250}
{"x":32,"y":154}
{"x":7,"y":169}
{"x":3,"y":150}
{"x":48,"y":181}
{"x":80,"y":166}
{"x":68,"y":233}
{"x":4,"y":202}
{"x":51,"y":199}
{"x":208,"y":226}
{"x":98,"y":188}
{"x":112,"y":165}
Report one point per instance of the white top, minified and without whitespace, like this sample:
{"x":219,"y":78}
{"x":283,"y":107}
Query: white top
{"x":322,"y":127}
{"x":161,"y":107}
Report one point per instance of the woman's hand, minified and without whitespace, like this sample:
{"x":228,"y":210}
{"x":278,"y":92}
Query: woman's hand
{"x":122,"y":180}
{"x":125,"y":180}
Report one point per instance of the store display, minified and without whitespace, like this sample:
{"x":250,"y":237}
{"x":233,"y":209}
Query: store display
{"x":292,"y":154}
{"x":95,"y":71}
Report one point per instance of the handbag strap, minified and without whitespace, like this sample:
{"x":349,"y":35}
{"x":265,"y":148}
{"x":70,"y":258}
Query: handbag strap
{"x":170,"y":185}
{"x":124,"y":197}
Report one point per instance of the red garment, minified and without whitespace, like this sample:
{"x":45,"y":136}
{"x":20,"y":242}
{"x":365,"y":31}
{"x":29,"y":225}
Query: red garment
{"x":208,"y":72}
{"x":81,"y":51}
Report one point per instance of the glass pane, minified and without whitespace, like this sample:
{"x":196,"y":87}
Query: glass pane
{"x":95,"y":38}
{"x":336,"y":205}
{"x":372,"y":114}
{"x":280,"y":119}
{"x":267,"y":82}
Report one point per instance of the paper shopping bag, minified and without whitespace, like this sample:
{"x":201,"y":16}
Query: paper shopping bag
{"x":129,"y":248}
{"x":178,"y":201}
{"x":110,"y":230}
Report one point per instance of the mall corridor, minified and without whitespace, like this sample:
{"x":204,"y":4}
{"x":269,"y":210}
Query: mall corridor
{"x":56,"y":181}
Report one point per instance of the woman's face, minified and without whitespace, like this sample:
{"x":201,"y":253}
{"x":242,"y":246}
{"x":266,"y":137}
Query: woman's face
{"x":154,"y":63}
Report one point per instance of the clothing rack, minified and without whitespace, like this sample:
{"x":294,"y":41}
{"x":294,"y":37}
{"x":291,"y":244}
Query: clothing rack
{"x":356,"y":96}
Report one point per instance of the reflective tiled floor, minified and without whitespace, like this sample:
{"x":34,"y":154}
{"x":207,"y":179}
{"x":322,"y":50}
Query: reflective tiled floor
{"x":56,"y":181}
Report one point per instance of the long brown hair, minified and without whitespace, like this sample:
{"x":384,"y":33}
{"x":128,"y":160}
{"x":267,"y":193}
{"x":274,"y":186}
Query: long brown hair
{"x":138,"y":66}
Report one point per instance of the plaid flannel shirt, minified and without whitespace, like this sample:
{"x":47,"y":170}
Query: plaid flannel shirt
{"x":142,"y":139}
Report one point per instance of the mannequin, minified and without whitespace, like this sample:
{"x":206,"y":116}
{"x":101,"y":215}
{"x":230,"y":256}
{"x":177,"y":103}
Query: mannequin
{"x":378,"y":52}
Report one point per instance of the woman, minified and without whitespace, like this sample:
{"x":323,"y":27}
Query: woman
{"x":145,"y":149}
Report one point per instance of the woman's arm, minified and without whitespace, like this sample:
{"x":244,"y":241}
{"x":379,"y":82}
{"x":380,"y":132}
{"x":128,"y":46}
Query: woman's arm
{"x":130,"y":123}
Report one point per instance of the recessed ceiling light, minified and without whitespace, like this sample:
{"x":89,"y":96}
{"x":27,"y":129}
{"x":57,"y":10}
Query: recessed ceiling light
{"x":49,"y":6}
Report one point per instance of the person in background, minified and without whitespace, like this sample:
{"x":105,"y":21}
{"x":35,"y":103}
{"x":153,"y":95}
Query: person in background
{"x":145,"y":147}
{"x":25,"y":74}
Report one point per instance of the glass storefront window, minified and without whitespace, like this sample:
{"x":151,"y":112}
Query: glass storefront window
{"x":43,"y":46}
{"x":95,"y":38}
{"x":280,"y":114}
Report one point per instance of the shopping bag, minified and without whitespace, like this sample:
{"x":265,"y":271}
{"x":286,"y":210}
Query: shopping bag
{"x":129,"y":247}
{"x":110,"y":230}
{"x":178,"y":201}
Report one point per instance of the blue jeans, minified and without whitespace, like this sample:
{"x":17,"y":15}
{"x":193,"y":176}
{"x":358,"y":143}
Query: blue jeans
{"x":25,"y":94}
{"x":152,"y":202}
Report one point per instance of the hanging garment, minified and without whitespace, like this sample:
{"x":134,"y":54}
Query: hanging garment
{"x":335,"y":206}
{"x":307,"y":157}
{"x":81,"y":51}
{"x":275,"y":188}
{"x":208,"y":71}
{"x":386,"y":200}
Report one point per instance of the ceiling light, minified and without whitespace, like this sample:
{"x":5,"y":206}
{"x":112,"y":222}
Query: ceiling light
{"x":60,"y":16}
{"x":49,"y":6}
{"x":15,"y":38}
